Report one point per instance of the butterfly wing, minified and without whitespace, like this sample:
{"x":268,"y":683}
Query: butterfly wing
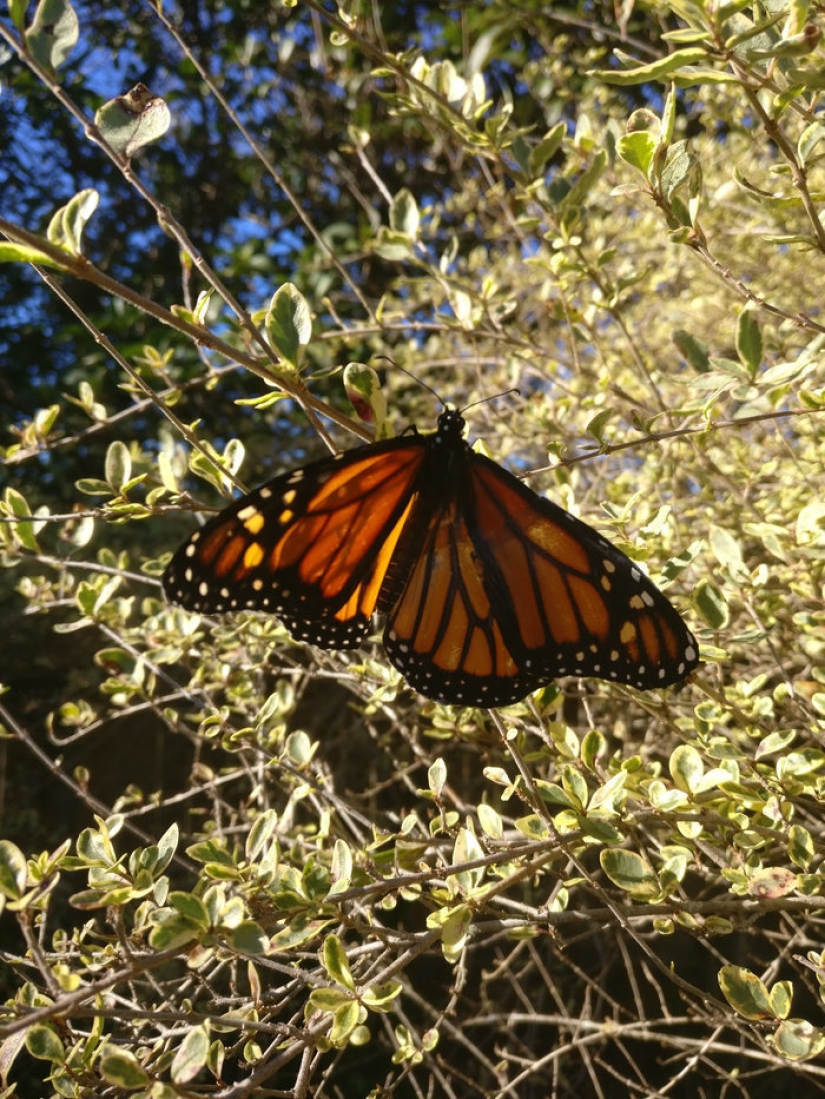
{"x":510,"y":591}
{"x":313,"y":546}
{"x":449,"y":632}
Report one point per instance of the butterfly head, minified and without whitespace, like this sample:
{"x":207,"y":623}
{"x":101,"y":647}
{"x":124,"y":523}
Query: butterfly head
{"x":451,"y":425}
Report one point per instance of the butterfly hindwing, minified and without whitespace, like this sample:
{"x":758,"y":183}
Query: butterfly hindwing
{"x":445,"y":630}
{"x":581,"y":606}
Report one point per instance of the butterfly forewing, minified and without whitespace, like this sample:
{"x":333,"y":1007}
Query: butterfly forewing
{"x":311,"y":546}
{"x":581,"y":606}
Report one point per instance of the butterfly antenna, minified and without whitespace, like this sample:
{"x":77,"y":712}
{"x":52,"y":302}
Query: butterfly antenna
{"x":492,"y":397}
{"x":416,"y":379}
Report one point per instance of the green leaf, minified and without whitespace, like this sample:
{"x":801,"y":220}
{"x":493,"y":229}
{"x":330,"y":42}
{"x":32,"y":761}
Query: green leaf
{"x":781,"y":996}
{"x":67,"y":224}
{"x":191,"y":1055}
{"x":490,"y":821}
{"x":774,"y":742}
{"x":743,"y":30}
{"x":808,"y":141}
{"x":89,"y":899}
{"x":299,"y":748}
{"x":363,"y":388}
{"x":594,"y":827}
{"x":91,"y":486}
{"x":260,"y":834}
{"x":214,"y":1062}
{"x":575,"y":785}
{"x":329,"y":999}
{"x":745,"y":993}
{"x":810,"y":524}
{"x":289,"y":324}
{"x":797,"y":45}
{"x":17,"y":12}
{"x":10,"y":1047}
{"x":610,"y":794}
{"x":800,"y":763}
{"x":468,"y":849}
{"x":711,"y":604}
{"x":546,"y":149}
{"x":167,"y":845}
{"x":16,"y":504}
{"x":555,"y":795}
{"x":391,"y":246}
{"x":669,"y":116}
{"x":454,"y":932}
{"x":249,"y":938}
{"x":798,"y":1040}
{"x":94,"y":846}
{"x":596,"y":424}
{"x":53,"y":33}
{"x":637,"y":150}
{"x":300,"y":929}
{"x":800,"y":846}
{"x":579,"y":192}
{"x":130,"y":121}
{"x":728,"y":553}
{"x":11,"y":252}
{"x":341,"y":867}
{"x":118,"y":464}
{"x":43,"y":1043}
{"x":672,"y":872}
{"x":810,"y":78}
{"x":749,"y":340}
{"x":334,"y":960}
{"x":344,"y":1021}
{"x":382,"y":996}
{"x":120,"y":1067}
{"x":436,"y":777}
{"x":211,"y":469}
{"x":655,"y":70}
{"x":533,"y":827}
{"x":629,"y":872}
{"x":229,"y":914}
{"x":212,"y":850}
{"x":404,"y":215}
{"x":315,"y":880}
{"x":686,"y":767}
{"x":173,"y":930}
{"x":497,"y":775}
{"x":692,"y":349}
{"x":593,"y":748}
{"x":13,"y":871}
{"x":681,"y":168}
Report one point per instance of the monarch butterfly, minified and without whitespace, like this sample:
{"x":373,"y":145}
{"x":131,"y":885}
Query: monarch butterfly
{"x":490,"y":591}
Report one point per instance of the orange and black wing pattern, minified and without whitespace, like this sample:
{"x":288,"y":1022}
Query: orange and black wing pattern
{"x":489,"y":590}
{"x":509,"y":591}
{"x":312,"y":546}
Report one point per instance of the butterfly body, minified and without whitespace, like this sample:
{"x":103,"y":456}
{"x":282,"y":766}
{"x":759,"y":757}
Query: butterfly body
{"x":489,"y":590}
